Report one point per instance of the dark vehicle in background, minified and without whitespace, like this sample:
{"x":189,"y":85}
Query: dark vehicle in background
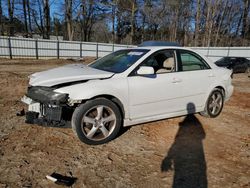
{"x":237,"y":64}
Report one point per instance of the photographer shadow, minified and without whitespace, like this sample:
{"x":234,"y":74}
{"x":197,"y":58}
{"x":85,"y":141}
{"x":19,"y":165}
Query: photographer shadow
{"x":186,"y":155}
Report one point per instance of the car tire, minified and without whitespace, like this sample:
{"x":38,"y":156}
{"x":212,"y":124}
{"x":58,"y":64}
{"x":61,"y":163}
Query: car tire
{"x":214,"y":104}
{"x":96,"y":121}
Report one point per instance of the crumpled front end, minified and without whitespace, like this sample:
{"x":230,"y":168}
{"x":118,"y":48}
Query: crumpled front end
{"x":46,"y":107}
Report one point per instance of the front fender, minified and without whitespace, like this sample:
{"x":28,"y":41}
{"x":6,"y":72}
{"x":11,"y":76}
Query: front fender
{"x":116,"y":87}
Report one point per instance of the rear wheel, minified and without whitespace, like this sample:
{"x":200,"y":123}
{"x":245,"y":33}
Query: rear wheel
{"x":214,"y":104}
{"x":96,"y":121}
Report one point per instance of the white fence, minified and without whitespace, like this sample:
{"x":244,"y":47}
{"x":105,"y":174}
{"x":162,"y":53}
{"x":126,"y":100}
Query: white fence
{"x":12,"y":47}
{"x":215,"y":53}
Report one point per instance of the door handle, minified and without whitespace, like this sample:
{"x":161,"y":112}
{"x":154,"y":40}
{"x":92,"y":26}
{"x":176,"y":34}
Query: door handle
{"x":176,"y":80}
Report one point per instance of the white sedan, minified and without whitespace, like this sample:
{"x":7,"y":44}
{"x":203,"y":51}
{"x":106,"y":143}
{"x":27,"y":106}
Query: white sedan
{"x":127,"y":87}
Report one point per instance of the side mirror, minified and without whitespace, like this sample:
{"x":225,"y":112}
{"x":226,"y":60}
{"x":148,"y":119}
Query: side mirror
{"x":144,"y":70}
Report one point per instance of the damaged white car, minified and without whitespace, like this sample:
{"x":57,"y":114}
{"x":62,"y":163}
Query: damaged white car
{"x":127,"y":87}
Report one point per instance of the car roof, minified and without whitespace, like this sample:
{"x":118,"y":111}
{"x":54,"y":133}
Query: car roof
{"x":154,"y":48}
{"x":158,"y":43}
{"x":234,"y":57}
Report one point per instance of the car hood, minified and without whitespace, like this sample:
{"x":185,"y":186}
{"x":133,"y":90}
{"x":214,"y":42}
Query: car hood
{"x":67,"y":74}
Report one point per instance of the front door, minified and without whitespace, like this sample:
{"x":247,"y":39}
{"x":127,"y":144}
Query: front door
{"x":159,"y":93}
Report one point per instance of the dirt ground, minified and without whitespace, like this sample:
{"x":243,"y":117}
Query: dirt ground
{"x":179,"y":152}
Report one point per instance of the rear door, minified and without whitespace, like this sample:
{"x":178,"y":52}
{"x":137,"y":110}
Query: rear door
{"x":196,"y":77}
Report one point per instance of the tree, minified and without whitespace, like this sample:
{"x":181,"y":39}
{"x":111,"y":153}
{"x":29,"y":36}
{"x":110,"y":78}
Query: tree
{"x":38,"y":17}
{"x":197,"y":22}
{"x":245,"y":23}
{"x":132,"y":22}
{"x":46,"y":10}
{"x":29,"y":14}
{"x":1,"y":19}
{"x":211,"y":21}
{"x":68,"y":19}
{"x":11,"y":5}
{"x":58,"y":28}
{"x":220,"y":20}
{"x":91,"y":13}
{"x":189,"y":22}
{"x":25,"y":16}
{"x":113,"y":15}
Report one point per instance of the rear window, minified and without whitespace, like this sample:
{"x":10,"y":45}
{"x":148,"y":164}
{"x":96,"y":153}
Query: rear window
{"x":191,"y":61}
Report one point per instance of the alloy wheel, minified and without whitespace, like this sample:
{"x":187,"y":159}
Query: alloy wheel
{"x":98,"y":122}
{"x":215,"y":103}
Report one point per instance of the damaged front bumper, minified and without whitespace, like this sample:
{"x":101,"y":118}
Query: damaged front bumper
{"x":46,"y":95}
{"x":46,"y":107}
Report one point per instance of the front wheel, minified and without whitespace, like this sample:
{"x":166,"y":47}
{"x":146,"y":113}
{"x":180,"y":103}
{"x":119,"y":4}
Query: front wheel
{"x":96,"y":121}
{"x":214,"y":104}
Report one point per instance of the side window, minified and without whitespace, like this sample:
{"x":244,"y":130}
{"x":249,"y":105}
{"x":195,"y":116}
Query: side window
{"x":162,"y":62}
{"x":191,"y":62}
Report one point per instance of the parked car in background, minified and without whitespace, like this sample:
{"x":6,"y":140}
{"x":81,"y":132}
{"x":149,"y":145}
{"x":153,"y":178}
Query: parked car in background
{"x":237,"y":64}
{"x":127,"y":87}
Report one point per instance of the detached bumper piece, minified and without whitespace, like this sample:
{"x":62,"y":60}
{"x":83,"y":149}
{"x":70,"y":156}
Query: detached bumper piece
{"x":31,"y":117}
{"x":47,"y":107}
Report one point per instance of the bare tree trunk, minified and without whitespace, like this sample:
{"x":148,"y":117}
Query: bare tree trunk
{"x":113,"y":20}
{"x":186,"y":28}
{"x":29,"y":15}
{"x":1,"y":22}
{"x":225,"y":29}
{"x":40,"y":27}
{"x":90,"y":29}
{"x":245,"y":24}
{"x":143,"y":28}
{"x":11,"y":16}
{"x":228,"y":28}
{"x":56,"y":24}
{"x":88,"y":18}
{"x":25,"y":17}
{"x":46,"y":11}
{"x":197,"y":23}
{"x":207,"y":23}
{"x":175,"y":28}
{"x":238,"y":25}
{"x":68,"y":14}
{"x":220,"y":23}
{"x":85,"y":21}
{"x":118,"y":29}
{"x":155,"y":29}
{"x":211,"y":22}
{"x":132,"y":22}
